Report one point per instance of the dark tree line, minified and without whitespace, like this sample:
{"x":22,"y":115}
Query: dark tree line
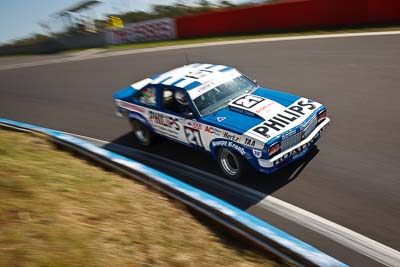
{"x":174,"y":10}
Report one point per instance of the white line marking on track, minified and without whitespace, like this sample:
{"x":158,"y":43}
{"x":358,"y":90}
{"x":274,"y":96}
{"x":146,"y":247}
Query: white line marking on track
{"x":198,"y":45}
{"x":344,"y":236}
{"x":86,"y":52}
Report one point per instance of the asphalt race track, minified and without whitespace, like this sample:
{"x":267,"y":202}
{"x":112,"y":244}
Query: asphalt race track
{"x":352,"y":179}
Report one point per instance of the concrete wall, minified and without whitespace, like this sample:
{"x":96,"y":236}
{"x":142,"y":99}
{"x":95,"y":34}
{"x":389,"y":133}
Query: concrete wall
{"x":63,"y":43}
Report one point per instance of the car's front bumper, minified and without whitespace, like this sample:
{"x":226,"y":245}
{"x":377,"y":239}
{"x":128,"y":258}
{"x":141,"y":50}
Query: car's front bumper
{"x":294,"y":153}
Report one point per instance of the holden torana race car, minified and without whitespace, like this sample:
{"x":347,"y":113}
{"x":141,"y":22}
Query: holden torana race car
{"x":218,"y":109}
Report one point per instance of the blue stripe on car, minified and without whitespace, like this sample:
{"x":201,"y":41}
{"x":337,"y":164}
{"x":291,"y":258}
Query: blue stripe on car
{"x":124,"y":93}
{"x":192,"y":85}
{"x":155,"y":76}
{"x":233,"y":121}
{"x":163,"y":80}
{"x":194,"y":65}
{"x":178,"y":81}
{"x":226,"y":69}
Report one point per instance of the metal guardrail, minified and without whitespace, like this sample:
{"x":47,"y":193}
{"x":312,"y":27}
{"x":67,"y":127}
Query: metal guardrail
{"x":257,"y":231}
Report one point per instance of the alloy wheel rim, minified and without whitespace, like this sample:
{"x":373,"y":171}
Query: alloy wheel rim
{"x":229,"y":162}
{"x":141,"y":133}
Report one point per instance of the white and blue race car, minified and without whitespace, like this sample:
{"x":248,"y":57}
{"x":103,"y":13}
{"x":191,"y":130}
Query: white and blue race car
{"x":218,"y":109}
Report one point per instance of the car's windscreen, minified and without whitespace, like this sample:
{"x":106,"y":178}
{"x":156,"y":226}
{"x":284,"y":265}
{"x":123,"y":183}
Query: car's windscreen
{"x":221,"y":95}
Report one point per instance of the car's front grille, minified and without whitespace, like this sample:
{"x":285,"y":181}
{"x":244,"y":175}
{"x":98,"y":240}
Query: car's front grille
{"x":310,"y":127}
{"x":290,"y":141}
{"x":296,"y":138}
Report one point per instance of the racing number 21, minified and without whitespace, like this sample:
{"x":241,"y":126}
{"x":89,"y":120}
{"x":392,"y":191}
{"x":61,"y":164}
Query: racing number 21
{"x":248,"y":101}
{"x":193,"y":137}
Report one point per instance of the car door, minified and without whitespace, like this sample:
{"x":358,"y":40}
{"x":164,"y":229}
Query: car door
{"x":181,"y":116}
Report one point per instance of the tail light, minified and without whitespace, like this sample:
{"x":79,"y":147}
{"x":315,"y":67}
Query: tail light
{"x":274,"y":149}
{"x":321,"y":115}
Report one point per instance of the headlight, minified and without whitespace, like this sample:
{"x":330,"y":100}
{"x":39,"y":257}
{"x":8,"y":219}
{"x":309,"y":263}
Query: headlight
{"x":274,"y":149}
{"x":321,"y":115}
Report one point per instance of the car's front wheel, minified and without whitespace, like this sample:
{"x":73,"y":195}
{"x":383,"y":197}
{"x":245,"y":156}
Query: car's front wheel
{"x":142,"y":133}
{"x":231,"y":163}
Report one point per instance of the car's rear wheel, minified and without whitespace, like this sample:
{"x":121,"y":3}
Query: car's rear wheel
{"x":231,"y":163}
{"x":142,"y":133}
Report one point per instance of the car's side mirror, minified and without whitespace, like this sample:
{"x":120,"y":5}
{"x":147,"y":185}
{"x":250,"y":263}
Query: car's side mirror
{"x":255,"y":81}
{"x":188,"y":115}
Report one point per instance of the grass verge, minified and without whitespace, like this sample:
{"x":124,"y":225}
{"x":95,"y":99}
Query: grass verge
{"x":59,"y":210}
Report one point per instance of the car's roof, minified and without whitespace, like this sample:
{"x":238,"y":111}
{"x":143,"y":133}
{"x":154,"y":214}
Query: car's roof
{"x":188,"y":77}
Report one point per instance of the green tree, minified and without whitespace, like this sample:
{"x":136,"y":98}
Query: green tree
{"x":204,"y":3}
{"x":225,"y":3}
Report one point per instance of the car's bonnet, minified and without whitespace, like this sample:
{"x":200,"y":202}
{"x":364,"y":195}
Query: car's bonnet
{"x":249,"y":110}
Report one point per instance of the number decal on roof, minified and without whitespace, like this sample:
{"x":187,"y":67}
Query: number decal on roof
{"x":198,"y":74}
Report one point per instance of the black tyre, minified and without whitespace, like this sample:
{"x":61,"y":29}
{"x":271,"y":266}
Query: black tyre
{"x":142,"y":133}
{"x":231,"y":163}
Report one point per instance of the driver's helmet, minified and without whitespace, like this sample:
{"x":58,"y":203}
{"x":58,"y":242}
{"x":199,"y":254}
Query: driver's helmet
{"x":182,"y":98}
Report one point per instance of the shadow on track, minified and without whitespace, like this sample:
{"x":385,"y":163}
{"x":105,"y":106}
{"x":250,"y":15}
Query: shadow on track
{"x":199,"y":169}
{"x":269,"y":183}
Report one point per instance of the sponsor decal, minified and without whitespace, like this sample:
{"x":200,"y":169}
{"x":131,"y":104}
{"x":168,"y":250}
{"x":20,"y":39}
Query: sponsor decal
{"x":257,"y":153}
{"x":230,"y":136}
{"x":209,"y":129}
{"x":243,"y":111}
{"x":252,"y":105}
{"x":205,"y":87}
{"x":229,"y":144}
{"x":237,"y":148}
{"x":264,"y":107}
{"x":172,"y":133}
{"x":130,"y":106}
{"x":212,"y":130}
{"x":249,"y":142}
{"x":194,"y":124}
{"x":220,"y":119}
{"x":220,"y":143}
{"x":164,"y":120}
{"x":281,"y":120}
{"x":211,"y":84}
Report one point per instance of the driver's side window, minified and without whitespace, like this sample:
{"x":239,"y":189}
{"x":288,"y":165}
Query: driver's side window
{"x":147,"y":96}
{"x":168,"y":101}
{"x":173,"y":101}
